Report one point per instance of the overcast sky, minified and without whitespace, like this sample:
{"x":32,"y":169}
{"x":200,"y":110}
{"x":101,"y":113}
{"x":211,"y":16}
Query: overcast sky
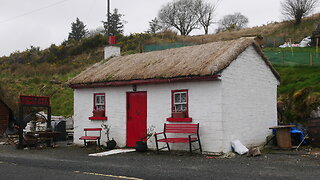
{"x":44,"y":22}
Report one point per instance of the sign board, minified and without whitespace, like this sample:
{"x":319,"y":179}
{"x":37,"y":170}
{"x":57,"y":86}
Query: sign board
{"x":34,"y":100}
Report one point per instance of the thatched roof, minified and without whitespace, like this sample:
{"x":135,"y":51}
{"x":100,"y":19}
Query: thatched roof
{"x":191,"y":61}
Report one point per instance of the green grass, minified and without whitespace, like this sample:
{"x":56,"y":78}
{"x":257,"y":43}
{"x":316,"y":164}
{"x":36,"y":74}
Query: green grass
{"x":294,"y":78}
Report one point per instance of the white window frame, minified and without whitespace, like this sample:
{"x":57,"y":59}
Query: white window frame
{"x":98,"y":105}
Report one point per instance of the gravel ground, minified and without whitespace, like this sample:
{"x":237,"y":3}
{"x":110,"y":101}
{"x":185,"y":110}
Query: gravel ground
{"x":275,"y":164}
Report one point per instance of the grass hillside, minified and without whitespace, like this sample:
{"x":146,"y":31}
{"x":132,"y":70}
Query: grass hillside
{"x":274,"y":33}
{"x":45,"y":79}
{"x":45,"y":72}
{"x":299,"y":92}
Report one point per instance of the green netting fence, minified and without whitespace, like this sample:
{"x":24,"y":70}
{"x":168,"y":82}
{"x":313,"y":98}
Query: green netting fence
{"x":293,"y":58}
{"x":286,"y":56}
{"x":158,"y":47}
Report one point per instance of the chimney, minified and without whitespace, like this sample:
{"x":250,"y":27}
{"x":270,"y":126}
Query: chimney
{"x":111,"y":50}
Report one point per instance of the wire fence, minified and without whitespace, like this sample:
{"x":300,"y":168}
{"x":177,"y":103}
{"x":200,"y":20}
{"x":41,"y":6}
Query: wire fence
{"x":274,"y":41}
{"x":293,"y":58}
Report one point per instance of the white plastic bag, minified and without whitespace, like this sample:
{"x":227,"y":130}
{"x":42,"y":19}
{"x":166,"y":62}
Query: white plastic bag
{"x":238,"y":147}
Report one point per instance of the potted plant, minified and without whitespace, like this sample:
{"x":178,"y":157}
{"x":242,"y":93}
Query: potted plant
{"x":111,"y":144}
{"x":142,"y":146}
{"x":98,"y":113}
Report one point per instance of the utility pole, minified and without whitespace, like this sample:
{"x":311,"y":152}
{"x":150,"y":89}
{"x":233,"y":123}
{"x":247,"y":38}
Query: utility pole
{"x":108,"y":20}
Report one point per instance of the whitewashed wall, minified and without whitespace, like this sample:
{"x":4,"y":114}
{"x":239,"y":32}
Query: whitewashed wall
{"x":249,"y":100}
{"x":204,"y":107}
{"x":240,"y":106}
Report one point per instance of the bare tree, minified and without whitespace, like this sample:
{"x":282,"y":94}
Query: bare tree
{"x":204,"y":11}
{"x":180,"y":15}
{"x":232,"y":22}
{"x":297,"y":9}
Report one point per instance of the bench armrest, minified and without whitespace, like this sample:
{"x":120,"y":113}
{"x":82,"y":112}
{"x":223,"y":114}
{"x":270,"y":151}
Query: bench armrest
{"x":158,"y":133}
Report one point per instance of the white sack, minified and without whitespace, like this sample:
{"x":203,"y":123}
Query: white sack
{"x":238,"y":147}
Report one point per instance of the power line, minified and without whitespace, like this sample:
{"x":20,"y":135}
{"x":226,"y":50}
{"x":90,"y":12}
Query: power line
{"x":33,"y":11}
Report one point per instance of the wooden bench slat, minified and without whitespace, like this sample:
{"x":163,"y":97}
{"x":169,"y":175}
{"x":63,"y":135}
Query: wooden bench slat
{"x":92,"y":129}
{"x":89,"y":137}
{"x":180,"y":131}
{"x":176,"y":140}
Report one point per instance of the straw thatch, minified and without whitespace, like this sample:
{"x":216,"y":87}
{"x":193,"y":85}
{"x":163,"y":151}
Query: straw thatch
{"x":200,"y":60}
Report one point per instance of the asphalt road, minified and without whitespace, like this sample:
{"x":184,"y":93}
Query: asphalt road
{"x":74,"y":163}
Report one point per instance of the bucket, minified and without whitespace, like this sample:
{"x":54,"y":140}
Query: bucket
{"x":314,"y":131}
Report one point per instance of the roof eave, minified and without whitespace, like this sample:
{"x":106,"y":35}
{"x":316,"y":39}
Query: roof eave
{"x":146,"y":81}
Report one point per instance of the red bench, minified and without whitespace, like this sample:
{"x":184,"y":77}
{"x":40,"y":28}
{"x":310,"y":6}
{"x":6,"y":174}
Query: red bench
{"x":191,"y":129}
{"x":86,"y":137}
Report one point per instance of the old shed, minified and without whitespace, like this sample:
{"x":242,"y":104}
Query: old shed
{"x":6,"y":112}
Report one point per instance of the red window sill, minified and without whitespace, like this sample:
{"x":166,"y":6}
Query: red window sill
{"x":179,"y":119}
{"x":98,"y":118}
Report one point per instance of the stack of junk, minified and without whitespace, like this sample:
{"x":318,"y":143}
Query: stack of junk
{"x":304,"y":43}
{"x":58,"y":123}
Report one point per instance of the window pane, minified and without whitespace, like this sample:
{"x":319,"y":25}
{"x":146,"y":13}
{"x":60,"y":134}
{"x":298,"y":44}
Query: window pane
{"x":178,"y":108}
{"x":99,"y":100}
{"x":100,"y":107}
{"x":177,"y":98}
{"x":183,"y":97}
{"x":183,"y":107}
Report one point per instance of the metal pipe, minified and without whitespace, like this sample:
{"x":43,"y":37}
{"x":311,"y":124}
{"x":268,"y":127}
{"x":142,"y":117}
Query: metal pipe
{"x":108,"y":21}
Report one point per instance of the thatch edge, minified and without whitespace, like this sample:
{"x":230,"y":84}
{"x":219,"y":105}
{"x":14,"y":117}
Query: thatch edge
{"x":215,"y":77}
{"x":260,"y":52}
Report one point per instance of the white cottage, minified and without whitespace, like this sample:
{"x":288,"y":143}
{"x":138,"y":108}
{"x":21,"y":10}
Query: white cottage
{"x":229,"y":87}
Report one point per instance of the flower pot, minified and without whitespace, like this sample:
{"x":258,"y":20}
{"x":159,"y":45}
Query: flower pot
{"x":178,"y":114}
{"x":98,"y":113}
{"x":141,"y":146}
{"x":111,"y":144}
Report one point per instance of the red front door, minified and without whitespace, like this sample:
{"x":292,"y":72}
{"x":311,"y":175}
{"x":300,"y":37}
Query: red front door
{"x":136,"y":117}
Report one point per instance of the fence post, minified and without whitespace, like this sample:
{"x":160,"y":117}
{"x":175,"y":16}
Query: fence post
{"x":291,"y":47}
{"x":310,"y":58}
{"x":282,"y":56}
{"x":317,"y":47}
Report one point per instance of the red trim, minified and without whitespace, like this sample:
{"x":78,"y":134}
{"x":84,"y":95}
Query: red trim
{"x":98,"y":118}
{"x":92,"y":129}
{"x":172,"y":100}
{"x":147,"y":81}
{"x":179,"y":119}
{"x":94,"y":101}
